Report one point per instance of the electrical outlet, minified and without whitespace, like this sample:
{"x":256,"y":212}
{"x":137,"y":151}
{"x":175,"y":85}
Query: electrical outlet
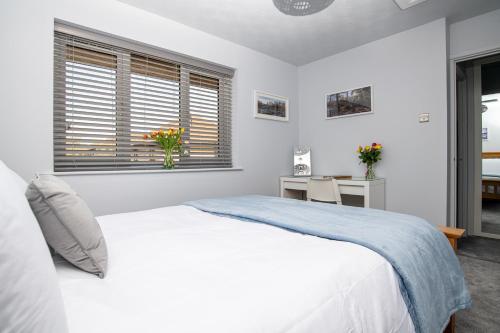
{"x":424,"y":118}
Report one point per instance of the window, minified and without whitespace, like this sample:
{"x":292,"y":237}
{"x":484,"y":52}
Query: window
{"x":109,"y":92}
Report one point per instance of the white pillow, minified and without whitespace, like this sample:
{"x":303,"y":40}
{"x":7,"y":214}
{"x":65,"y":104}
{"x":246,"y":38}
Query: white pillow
{"x":20,"y":183}
{"x":30,"y":298}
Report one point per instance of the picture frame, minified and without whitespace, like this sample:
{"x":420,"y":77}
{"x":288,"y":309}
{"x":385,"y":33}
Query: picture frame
{"x":349,"y":103}
{"x":270,"y":106}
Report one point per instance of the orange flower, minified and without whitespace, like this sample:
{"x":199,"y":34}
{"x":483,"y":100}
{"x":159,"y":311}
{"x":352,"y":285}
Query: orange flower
{"x":145,"y":136}
{"x":179,"y":141}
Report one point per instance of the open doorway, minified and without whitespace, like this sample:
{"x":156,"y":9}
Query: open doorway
{"x":478,"y":146}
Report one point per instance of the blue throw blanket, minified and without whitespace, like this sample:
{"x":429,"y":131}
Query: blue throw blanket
{"x":430,"y":278}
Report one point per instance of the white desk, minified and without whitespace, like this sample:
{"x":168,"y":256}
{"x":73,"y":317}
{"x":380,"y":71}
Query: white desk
{"x":373,"y":191}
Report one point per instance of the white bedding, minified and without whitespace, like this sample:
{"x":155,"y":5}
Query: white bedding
{"x":177,"y":269}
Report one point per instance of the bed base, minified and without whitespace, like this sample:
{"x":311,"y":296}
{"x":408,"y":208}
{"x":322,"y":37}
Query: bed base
{"x":491,"y":188}
{"x":451,"y":325}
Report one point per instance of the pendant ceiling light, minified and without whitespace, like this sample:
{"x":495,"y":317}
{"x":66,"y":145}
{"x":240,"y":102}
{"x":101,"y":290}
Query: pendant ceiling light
{"x":301,"y":7}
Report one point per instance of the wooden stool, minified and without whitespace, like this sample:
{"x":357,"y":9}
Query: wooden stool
{"x":453,"y":234}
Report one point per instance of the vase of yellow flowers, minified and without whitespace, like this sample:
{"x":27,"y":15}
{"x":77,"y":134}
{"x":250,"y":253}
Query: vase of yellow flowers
{"x":170,"y":141}
{"x":370,"y":155}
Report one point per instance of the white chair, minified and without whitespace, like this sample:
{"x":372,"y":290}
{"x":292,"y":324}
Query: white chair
{"x":324,"y":190}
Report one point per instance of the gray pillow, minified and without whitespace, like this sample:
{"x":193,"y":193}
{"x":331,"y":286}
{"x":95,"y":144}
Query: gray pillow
{"x":68,"y":224}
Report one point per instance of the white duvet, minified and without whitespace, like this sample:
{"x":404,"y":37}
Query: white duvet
{"x":177,"y":269}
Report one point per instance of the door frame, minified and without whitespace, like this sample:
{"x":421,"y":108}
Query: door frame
{"x":452,"y":137}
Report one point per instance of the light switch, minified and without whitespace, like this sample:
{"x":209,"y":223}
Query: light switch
{"x":424,"y":118}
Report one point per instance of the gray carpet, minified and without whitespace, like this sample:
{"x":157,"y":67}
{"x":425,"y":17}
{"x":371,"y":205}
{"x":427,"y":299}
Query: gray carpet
{"x":480,"y":259}
{"x":490,"y":217}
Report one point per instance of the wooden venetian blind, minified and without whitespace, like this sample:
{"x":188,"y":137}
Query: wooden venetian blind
{"x":209,"y":125}
{"x":106,"y":97}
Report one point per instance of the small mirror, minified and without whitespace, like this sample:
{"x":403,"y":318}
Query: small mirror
{"x":302,"y":161}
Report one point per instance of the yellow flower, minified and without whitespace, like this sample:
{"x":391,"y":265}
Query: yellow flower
{"x":170,"y":132}
{"x":378,"y":147}
{"x":367,"y":148}
{"x":161,"y":132}
{"x":360,"y":149}
{"x":182,"y":130}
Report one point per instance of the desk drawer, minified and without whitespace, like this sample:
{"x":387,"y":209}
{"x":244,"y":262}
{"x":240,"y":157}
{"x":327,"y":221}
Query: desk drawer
{"x":295,"y":186}
{"x":352,"y":190}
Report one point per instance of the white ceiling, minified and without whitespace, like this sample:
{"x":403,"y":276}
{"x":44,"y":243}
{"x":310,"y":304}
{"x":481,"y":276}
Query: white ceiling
{"x":257,"y":24}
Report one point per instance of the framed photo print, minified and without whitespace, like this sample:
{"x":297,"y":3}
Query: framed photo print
{"x":269,"y":106}
{"x":348,"y":103}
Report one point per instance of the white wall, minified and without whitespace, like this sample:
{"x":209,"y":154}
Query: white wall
{"x":408,"y":74}
{"x":262,"y":147}
{"x":407,"y":71}
{"x":491,"y":121}
{"x":477,"y":34}
{"x":469,"y":37}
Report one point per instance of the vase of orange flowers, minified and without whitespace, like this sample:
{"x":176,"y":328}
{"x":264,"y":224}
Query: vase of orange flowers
{"x":170,"y":141}
{"x":370,"y":155}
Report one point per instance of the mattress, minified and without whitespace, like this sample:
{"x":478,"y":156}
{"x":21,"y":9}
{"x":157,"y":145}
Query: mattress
{"x":177,"y":269}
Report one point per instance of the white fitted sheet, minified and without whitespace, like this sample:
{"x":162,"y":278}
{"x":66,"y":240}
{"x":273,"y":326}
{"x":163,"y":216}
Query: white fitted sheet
{"x":177,"y":269}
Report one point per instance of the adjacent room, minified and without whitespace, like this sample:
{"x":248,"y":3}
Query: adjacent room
{"x":250,"y":166}
{"x":490,"y":129}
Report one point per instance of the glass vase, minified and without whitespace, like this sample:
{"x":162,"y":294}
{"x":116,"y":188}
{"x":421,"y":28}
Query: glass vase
{"x":168,"y":160}
{"x":370,"y":172}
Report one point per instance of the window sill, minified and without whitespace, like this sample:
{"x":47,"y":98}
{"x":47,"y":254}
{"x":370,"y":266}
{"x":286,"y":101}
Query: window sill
{"x":124,"y":172}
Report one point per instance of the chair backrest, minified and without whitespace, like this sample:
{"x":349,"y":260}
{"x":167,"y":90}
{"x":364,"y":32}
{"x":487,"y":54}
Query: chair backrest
{"x":325,"y":190}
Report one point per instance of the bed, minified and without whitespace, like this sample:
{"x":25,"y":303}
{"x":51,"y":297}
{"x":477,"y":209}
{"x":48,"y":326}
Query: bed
{"x":265,"y":264}
{"x":491,"y":187}
{"x":236,"y":264}
{"x":178,"y":269}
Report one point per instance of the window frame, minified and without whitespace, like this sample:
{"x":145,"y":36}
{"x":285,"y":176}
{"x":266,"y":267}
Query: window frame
{"x":121,"y":47}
